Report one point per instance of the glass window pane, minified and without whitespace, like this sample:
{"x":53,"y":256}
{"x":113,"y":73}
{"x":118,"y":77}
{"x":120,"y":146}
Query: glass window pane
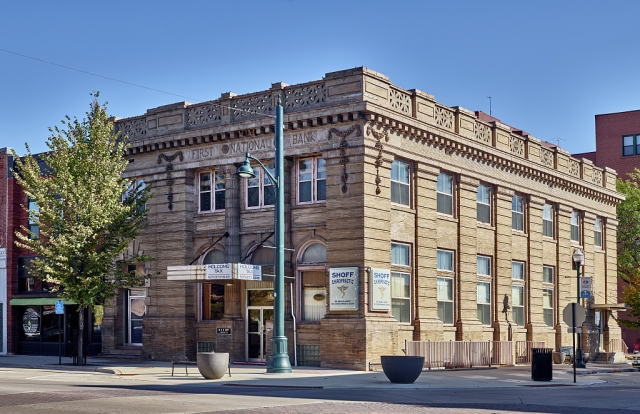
{"x":517,"y":270}
{"x":321,"y":188}
{"x":305,"y":171}
{"x":483,"y":292}
{"x":547,"y":298}
{"x":253,"y":197}
{"x":484,"y":266}
{"x":400,"y":254}
{"x":517,"y":221}
{"x":315,"y":253}
{"x":575,"y":218}
{"x":255,"y":181}
{"x":547,"y":274}
{"x":205,"y":201}
{"x":314,"y":303}
{"x":517,"y":298}
{"x":484,"y":194}
{"x":484,"y":213}
{"x":516,"y":203}
{"x":220,"y":181}
{"x":445,"y":288}
{"x":214,"y":257}
{"x":444,"y":203}
{"x":268,"y":196}
{"x":400,"y":285}
{"x":445,"y":184}
{"x":444,"y":260}
{"x":321,"y":168}
{"x":401,"y":309}
{"x":547,"y":212}
{"x":304,"y":191}
{"x":205,"y":181}
{"x":220,"y":200}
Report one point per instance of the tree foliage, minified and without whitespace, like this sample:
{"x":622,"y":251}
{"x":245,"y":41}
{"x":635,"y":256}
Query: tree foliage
{"x":87,"y":213}
{"x":628,"y":212}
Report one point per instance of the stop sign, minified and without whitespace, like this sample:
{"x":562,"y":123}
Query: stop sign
{"x":567,"y":316}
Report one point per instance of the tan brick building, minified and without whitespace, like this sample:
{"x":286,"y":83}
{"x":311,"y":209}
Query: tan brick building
{"x":461,"y":212}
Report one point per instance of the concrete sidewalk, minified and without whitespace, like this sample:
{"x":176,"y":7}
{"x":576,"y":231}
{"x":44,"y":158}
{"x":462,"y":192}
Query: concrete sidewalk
{"x":310,"y":377}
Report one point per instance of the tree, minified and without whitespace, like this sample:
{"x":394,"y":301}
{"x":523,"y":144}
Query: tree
{"x":87,"y":214}
{"x":628,"y":212}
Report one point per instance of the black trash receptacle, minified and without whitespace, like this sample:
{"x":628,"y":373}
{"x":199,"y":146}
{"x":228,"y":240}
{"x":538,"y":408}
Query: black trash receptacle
{"x":541,"y":364}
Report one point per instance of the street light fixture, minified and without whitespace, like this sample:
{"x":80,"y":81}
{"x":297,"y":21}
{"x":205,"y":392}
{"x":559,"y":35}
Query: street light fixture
{"x":578,"y":259}
{"x":279,"y":362}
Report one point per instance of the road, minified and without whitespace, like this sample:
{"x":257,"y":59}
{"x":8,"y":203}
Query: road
{"x":53,"y":391}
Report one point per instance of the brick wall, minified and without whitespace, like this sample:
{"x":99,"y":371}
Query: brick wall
{"x":609,"y":131}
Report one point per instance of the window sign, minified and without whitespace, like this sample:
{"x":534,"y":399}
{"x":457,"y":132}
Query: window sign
{"x":31,"y":323}
{"x":344,"y":288}
{"x":218,"y":271}
{"x":249,"y":272}
{"x":380,"y":290}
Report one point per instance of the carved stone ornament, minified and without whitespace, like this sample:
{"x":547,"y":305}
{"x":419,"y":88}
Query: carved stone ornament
{"x":169,"y":168}
{"x":379,"y":146}
{"x":343,"y":150}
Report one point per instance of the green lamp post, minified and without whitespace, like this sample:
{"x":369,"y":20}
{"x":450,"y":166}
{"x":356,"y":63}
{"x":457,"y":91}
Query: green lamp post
{"x":578,"y":259}
{"x":279,"y":362}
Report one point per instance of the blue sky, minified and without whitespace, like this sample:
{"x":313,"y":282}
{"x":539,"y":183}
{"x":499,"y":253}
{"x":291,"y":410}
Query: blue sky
{"x":549,"y":66}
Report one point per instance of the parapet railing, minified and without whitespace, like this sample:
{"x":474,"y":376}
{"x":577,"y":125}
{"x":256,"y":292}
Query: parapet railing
{"x":523,"y":350}
{"x":461,"y":354}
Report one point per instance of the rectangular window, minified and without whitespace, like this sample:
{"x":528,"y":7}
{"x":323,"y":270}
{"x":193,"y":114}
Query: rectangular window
{"x":597,"y":232}
{"x":630,"y":145}
{"x":484,"y":266}
{"x":517,"y":270}
{"x":312,"y":179}
{"x":483,"y":198}
{"x":547,"y":220}
{"x":484,"y":302}
{"x":400,"y":254}
{"x":400,"y":183}
{"x":517,"y":213}
{"x":401,"y":296}
{"x":444,"y":260}
{"x":547,"y":306}
{"x":314,"y":303}
{"x":212,"y":301}
{"x":34,"y":210}
{"x":517,"y":304}
{"x":444,"y":194}
{"x":547,"y":274}
{"x":259,"y":189}
{"x":212,"y":195}
{"x":575,"y":226}
{"x":445,"y":299}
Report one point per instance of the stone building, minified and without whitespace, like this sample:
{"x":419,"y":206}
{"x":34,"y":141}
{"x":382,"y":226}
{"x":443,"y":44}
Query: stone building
{"x":463,"y":216}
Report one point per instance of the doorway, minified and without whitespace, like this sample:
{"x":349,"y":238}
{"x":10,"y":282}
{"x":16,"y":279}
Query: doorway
{"x":136,"y":311}
{"x":258,"y":324}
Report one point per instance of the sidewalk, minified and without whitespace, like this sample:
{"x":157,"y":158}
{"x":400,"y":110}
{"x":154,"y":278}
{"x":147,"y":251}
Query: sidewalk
{"x":310,"y":377}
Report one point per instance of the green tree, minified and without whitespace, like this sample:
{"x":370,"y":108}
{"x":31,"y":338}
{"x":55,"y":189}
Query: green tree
{"x":628,"y":212}
{"x":87,"y":214}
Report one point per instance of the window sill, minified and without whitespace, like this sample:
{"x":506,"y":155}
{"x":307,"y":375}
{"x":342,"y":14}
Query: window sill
{"x":487,"y":226}
{"x":402,"y":207}
{"x":210,"y":213}
{"x":549,"y":239}
{"x":303,"y":205}
{"x":520,"y":233}
{"x":599,"y":250}
{"x":259,"y":208}
{"x":447,"y":217}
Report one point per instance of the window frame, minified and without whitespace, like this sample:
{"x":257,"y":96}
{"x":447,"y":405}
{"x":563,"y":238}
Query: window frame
{"x":314,"y":180}
{"x":395,"y":296}
{"x":450,"y":301}
{"x":408,"y":255}
{"x":635,"y":145}
{"x":518,"y":262}
{"x":598,"y":241}
{"x":514,"y":306}
{"x":443,"y":195}
{"x":452,"y":255}
{"x":575,"y":214}
{"x":548,"y":286}
{"x":261,"y":176}
{"x":550,"y":222}
{"x":400,"y":184}
{"x":483,"y":304}
{"x":514,"y":212}
{"x":480,"y":203}
{"x":213,"y":191}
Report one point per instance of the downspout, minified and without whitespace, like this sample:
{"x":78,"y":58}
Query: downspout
{"x":295,"y":331}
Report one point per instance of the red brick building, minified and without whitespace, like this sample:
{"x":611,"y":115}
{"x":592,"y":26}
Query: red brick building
{"x":618,"y":147}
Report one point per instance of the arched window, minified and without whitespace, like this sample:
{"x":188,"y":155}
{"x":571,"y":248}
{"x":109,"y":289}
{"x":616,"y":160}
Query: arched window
{"x":315,"y":253}
{"x":313,"y":282}
{"x":263,"y":256}
{"x":213,"y":294}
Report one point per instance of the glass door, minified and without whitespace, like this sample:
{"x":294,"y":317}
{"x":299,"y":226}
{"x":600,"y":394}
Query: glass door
{"x":136,"y":314}
{"x":259,"y":324}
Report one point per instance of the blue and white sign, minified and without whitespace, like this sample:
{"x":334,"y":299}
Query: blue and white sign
{"x":380,"y":290}
{"x":343,"y":290}
{"x":59,"y":307}
{"x":249,"y":272}
{"x":585,"y":287}
{"x":219,"y":271}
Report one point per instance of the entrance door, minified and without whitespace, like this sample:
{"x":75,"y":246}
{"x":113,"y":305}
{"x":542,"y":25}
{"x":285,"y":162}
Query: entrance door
{"x":259,"y":324}
{"x":598,"y":322}
{"x":137,"y":311}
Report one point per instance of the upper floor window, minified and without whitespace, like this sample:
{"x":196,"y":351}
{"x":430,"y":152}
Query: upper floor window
{"x":547,"y":274}
{"x":312,"y":180}
{"x":444,"y":194}
{"x":483,"y":199}
{"x":211,"y":193}
{"x":547,"y":220}
{"x":400,"y":254}
{"x":575,"y":226}
{"x":33,"y":226}
{"x":400,"y":183}
{"x":401,"y":296}
{"x":260,"y":191}
{"x":517,"y":270}
{"x":444,"y":260}
{"x":517,"y":213}
{"x":597,"y":232}
{"x":135,"y":187}
{"x":517,"y":304}
{"x":631,"y":145}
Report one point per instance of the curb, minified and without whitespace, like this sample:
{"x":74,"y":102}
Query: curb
{"x":64,"y":368}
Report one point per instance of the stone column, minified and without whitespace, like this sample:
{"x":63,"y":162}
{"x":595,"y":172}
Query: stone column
{"x":232,"y":192}
{"x":565,"y":273}
{"x":501,"y":266}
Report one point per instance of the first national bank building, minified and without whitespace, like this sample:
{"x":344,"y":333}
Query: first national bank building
{"x":404,"y":220}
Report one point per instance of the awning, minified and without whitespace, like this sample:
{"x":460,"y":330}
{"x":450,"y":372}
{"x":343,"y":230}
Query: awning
{"x":611,"y":306}
{"x":38,"y":301}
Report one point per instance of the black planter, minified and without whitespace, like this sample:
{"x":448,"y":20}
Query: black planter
{"x":402,"y":369}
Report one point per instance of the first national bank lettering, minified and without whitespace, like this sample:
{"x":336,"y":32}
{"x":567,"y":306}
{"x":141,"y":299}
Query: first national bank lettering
{"x":344,"y":288}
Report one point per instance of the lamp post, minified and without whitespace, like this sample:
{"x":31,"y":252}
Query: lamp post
{"x":279,"y":359}
{"x":578,"y":259}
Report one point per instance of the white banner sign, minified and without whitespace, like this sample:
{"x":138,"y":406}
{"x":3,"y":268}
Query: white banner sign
{"x":249,"y":272}
{"x":219,"y":271}
{"x":380,"y":290}
{"x":343,"y":292}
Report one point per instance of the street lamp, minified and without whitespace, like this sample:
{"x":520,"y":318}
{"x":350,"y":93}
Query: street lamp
{"x":279,"y":359}
{"x":578,"y":259}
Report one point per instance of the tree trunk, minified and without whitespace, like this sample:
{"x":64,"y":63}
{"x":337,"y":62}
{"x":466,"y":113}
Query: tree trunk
{"x":81,"y":360}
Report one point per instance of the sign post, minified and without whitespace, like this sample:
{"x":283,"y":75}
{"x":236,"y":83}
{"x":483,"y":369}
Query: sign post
{"x":573,"y":315}
{"x":59,"y":312}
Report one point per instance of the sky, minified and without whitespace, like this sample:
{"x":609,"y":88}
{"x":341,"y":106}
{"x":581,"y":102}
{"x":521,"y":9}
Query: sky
{"x":549,"y":66}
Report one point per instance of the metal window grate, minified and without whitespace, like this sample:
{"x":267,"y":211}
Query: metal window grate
{"x":206,"y":346}
{"x":308,"y":355}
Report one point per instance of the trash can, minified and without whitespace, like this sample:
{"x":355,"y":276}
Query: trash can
{"x":541,"y":364}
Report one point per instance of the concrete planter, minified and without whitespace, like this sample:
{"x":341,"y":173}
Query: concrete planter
{"x":213,"y":365}
{"x":402,"y":369}
{"x":558,"y":357}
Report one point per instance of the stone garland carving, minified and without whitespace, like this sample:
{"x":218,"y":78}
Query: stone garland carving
{"x":343,"y":150}
{"x":546,"y":157}
{"x":257,"y":104}
{"x":305,"y":96}
{"x":444,"y":118}
{"x":378,"y":136}
{"x":169,"y":168}
{"x":400,"y":101}
{"x":482,"y":132}
{"x":517,"y":146}
{"x":597,"y":177}
{"x":203,"y":115}
{"x":574,"y":168}
{"x":132,"y":129}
